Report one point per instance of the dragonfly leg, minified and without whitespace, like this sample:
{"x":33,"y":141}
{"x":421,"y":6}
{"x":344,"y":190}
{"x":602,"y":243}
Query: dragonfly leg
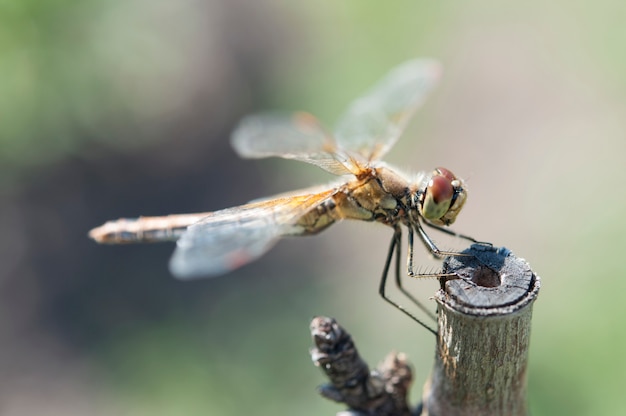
{"x":395,"y":247}
{"x":455,"y":234}
{"x":430,"y":244}
{"x":432,"y":247}
{"x":399,"y":276}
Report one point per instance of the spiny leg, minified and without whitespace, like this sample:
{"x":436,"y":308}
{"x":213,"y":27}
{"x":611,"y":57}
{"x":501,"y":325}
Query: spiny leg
{"x":395,"y":247}
{"x":455,"y":234}
{"x":399,"y":278}
{"x":430,"y":245}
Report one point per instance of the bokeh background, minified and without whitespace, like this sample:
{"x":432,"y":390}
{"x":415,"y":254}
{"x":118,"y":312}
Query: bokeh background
{"x":123,"y":108}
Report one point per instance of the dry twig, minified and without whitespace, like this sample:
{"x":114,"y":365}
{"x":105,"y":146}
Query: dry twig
{"x":379,"y":392}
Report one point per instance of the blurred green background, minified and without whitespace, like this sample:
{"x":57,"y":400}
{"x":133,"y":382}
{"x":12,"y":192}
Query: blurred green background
{"x":123,"y":108}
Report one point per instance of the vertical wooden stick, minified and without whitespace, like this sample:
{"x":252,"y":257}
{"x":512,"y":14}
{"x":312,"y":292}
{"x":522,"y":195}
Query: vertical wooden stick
{"x":484,"y":333}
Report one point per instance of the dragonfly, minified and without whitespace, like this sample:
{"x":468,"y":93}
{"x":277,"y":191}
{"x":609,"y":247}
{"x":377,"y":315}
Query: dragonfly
{"x":368,"y":189}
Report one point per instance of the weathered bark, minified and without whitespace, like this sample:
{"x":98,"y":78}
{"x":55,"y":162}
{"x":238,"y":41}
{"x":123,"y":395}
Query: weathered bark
{"x":381,"y":392}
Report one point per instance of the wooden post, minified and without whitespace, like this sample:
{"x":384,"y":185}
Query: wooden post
{"x":484,"y":333}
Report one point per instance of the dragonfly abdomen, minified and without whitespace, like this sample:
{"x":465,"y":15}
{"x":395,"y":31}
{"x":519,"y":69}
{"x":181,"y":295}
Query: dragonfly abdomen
{"x":144,"y":229}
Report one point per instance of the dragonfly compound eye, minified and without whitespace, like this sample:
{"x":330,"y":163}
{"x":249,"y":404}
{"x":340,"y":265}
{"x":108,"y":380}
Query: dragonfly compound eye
{"x":438,"y":197}
{"x":445,"y":173}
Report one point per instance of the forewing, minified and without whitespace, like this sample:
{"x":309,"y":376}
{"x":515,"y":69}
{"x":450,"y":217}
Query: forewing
{"x":374,"y":122}
{"x":299,"y":136}
{"x":233,"y":237}
{"x":316,"y":189}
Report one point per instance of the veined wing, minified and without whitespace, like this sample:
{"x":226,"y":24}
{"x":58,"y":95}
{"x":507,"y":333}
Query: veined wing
{"x":230,"y":238}
{"x":374,"y":122}
{"x":299,"y":136}
{"x":315,"y":189}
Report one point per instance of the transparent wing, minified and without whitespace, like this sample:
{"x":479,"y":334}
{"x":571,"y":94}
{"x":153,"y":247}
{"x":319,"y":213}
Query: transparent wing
{"x":374,"y":122}
{"x":299,"y":136}
{"x":316,"y":189}
{"x":230,"y":238}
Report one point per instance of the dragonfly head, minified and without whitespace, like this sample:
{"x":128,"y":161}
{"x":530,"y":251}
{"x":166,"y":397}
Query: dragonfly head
{"x":443,"y":197}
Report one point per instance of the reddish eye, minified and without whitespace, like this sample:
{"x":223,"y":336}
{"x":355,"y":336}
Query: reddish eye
{"x":446,"y":173}
{"x":437,"y":198}
{"x":441,"y":189}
